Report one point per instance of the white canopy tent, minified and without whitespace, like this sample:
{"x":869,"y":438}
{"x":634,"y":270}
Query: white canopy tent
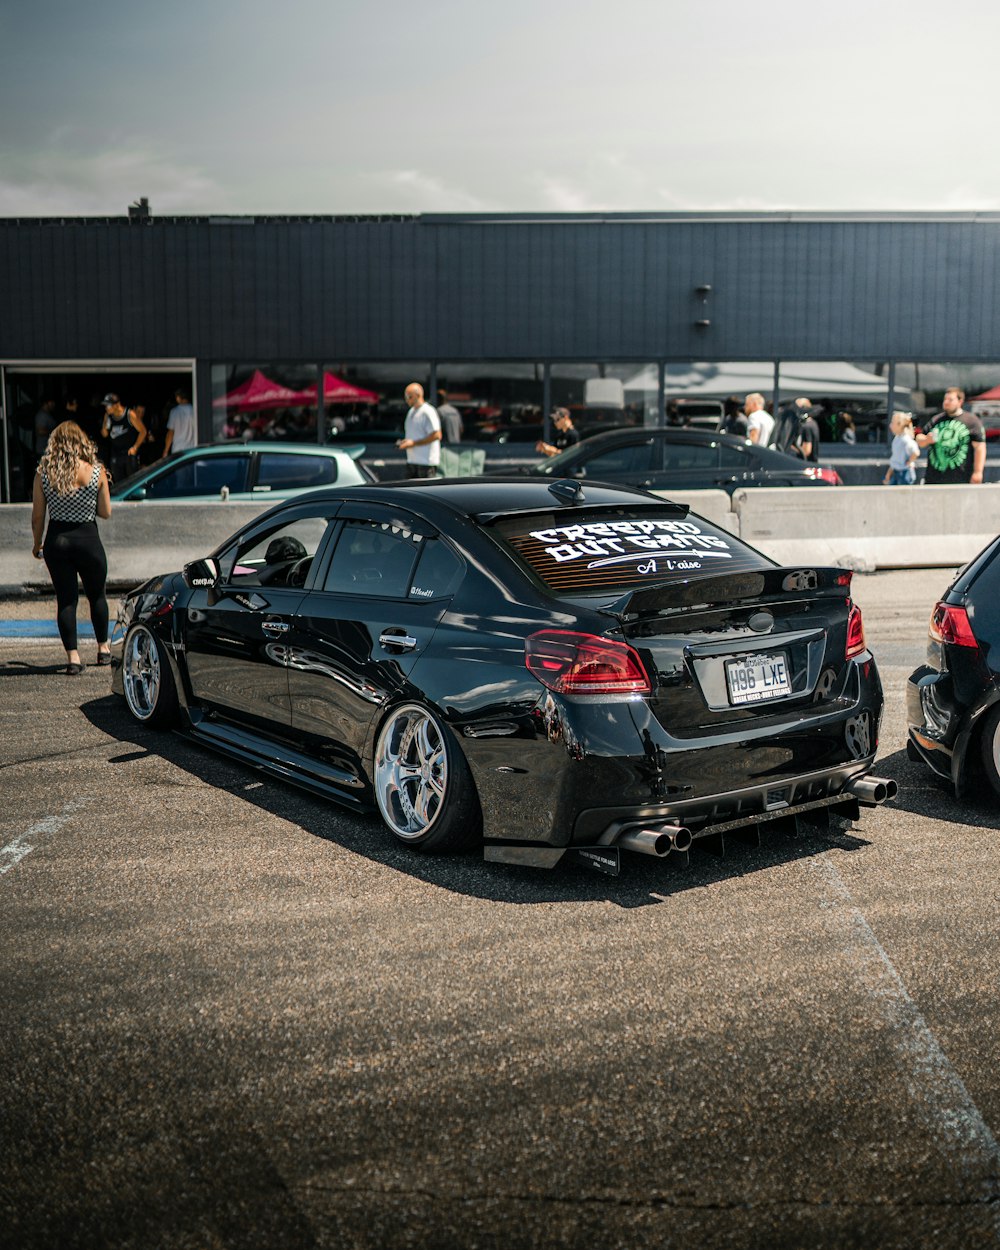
{"x":816,"y":379}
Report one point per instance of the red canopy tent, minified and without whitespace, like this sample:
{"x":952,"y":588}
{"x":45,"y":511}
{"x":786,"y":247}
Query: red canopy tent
{"x":992,"y":395}
{"x":257,"y":393}
{"x":336,"y":391}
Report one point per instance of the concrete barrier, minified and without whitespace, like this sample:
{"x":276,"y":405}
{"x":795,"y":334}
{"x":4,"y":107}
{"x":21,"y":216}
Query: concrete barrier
{"x":859,"y":527}
{"x":866,"y":527}
{"x":141,"y":539}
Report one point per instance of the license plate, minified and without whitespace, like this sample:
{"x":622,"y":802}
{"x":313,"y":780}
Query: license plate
{"x":757,"y":678}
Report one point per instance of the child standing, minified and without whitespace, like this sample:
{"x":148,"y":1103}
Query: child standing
{"x":905,"y":452}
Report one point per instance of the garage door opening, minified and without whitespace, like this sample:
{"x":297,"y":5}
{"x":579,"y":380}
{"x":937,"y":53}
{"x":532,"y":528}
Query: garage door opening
{"x":77,"y":390}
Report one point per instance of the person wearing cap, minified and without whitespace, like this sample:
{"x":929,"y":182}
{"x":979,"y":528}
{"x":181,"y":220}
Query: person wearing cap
{"x":124,"y":427}
{"x":566,"y":434}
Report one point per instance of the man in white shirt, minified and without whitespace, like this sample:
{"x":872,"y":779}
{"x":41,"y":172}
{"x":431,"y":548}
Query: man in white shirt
{"x":422,"y":435}
{"x":182,"y":430}
{"x":760,"y":423}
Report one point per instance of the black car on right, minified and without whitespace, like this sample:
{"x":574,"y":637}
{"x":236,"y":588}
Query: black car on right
{"x":682,"y":459}
{"x":953,"y":700}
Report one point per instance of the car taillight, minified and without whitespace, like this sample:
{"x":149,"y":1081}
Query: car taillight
{"x":820,"y":474}
{"x":855,"y":632}
{"x":952,"y":624}
{"x":572,"y":663}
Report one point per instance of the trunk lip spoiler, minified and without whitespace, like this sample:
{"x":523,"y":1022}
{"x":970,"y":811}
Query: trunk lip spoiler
{"x":642,"y":600}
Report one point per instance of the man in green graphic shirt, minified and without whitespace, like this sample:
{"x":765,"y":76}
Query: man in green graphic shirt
{"x":956,"y":443}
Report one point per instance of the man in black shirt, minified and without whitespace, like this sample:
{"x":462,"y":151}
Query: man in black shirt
{"x":956,"y":443}
{"x":566,"y":434}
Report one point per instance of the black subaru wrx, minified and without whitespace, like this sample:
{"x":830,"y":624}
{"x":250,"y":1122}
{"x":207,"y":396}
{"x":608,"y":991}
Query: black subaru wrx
{"x":953,"y":699}
{"x":538,"y":667}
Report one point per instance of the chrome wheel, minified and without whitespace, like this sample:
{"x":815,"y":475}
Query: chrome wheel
{"x":411,"y":772}
{"x":141,"y":673}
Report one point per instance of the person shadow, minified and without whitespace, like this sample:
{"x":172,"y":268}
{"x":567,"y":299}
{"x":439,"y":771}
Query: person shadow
{"x":644,"y":880}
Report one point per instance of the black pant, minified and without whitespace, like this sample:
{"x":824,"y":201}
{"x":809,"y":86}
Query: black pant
{"x":421,"y":470}
{"x":73,"y":550}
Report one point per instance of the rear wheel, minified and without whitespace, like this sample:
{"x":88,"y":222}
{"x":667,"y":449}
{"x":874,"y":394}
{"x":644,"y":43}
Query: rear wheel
{"x":147,"y":679}
{"x":989,"y":745}
{"x":423,"y":785}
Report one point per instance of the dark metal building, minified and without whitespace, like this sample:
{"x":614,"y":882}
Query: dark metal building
{"x":207,"y":299}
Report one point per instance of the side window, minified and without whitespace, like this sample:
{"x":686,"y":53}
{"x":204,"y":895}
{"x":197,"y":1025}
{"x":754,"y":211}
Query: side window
{"x":282,"y":472}
{"x":439,"y":571}
{"x":373,"y":558}
{"x":690,"y":455}
{"x":279,"y":557}
{"x":201,"y":475}
{"x":632,"y":458}
{"x":735,"y":460}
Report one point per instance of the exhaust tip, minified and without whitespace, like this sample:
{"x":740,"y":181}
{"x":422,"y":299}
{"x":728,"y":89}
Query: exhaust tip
{"x":682,"y":839}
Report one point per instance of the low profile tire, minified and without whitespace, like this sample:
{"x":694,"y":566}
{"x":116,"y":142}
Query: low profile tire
{"x":423,"y":786}
{"x":148,"y":680}
{"x":989,"y":747}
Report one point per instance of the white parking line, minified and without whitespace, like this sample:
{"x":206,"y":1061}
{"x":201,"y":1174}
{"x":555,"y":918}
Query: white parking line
{"x":936,"y":1089}
{"x":16,"y":850}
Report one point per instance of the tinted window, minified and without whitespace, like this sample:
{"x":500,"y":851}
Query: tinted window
{"x":621,"y":548}
{"x":632,"y":458}
{"x":690,"y":455}
{"x":284,"y":472}
{"x":372,"y":558}
{"x":280,"y":557}
{"x":733,"y":458}
{"x":438,"y":572}
{"x":201,"y":475}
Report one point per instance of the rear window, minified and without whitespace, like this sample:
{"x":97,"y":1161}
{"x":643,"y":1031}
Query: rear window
{"x":286,"y":471}
{"x":587,"y":553}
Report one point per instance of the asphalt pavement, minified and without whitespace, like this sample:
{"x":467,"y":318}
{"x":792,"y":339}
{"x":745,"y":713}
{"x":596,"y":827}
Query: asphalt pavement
{"x":235,"y":1016}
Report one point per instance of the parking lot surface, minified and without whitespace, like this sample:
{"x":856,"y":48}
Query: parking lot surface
{"x":235,"y":1016}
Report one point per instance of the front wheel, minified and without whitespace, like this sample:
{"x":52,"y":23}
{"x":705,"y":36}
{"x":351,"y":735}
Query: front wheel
{"x":147,"y":679}
{"x":423,"y":786}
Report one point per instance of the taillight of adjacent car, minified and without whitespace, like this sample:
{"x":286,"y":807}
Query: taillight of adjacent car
{"x":950,"y":623}
{"x":572,"y":663}
{"x":855,"y":631}
{"x":821,"y":474}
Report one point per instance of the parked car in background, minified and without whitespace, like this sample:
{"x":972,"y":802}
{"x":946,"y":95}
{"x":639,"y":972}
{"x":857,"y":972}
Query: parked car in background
{"x":679,"y":459}
{"x":538,"y":668}
{"x":953,"y":698}
{"x":245,"y":471}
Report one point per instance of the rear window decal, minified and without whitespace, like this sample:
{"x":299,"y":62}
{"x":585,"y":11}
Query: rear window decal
{"x":596,"y":554}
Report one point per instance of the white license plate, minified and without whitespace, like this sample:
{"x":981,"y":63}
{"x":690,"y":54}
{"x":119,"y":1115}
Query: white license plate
{"x":757,"y":678}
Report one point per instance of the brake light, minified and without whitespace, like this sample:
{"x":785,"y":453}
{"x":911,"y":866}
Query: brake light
{"x":855,"y":632}
{"x":572,"y":663}
{"x":952,"y":624}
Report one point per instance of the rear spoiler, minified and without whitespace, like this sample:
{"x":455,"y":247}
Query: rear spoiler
{"x":715,"y":588}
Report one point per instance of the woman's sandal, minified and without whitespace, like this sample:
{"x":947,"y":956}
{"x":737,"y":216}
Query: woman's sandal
{"x":103,"y":659}
{"x":74,"y":670}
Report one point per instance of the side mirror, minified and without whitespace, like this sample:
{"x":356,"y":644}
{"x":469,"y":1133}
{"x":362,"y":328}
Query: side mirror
{"x":138,"y":493}
{"x":201,"y":574}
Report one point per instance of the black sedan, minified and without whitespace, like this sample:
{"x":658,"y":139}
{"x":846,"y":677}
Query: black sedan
{"x":539,"y":667}
{"x":672,"y":459}
{"x":953,"y":700}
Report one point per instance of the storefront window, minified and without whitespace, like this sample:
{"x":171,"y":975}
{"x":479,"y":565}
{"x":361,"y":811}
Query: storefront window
{"x":264,"y":401}
{"x":604,"y":396}
{"x":499,"y":402}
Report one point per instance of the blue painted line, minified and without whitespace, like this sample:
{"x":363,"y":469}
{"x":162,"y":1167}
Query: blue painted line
{"x":40,"y":629}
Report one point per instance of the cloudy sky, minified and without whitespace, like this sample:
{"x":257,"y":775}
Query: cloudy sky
{"x":334,"y":106}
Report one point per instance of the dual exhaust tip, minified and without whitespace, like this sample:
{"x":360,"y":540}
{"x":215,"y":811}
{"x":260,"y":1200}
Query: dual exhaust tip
{"x":869,"y":791}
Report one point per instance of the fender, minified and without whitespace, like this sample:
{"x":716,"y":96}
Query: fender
{"x":965,"y":738}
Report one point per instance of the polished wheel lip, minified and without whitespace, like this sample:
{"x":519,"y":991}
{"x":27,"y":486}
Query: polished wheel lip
{"x":141,"y":673}
{"x":411,"y":772}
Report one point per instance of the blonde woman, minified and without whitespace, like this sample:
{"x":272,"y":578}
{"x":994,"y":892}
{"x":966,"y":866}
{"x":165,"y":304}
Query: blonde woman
{"x":71,"y":485}
{"x":905,"y":452}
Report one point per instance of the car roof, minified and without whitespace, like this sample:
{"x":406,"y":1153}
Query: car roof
{"x":282,"y":448}
{"x":488,"y":497}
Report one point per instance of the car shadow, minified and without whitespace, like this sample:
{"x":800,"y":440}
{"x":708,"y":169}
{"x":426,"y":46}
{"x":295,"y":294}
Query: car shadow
{"x":923,"y":793}
{"x":644,"y":880}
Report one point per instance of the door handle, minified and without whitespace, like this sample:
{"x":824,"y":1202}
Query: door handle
{"x":403,"y":641}
{"x":274,"y":627}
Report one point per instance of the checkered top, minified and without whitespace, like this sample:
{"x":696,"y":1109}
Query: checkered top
{"x":79,"y":506}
